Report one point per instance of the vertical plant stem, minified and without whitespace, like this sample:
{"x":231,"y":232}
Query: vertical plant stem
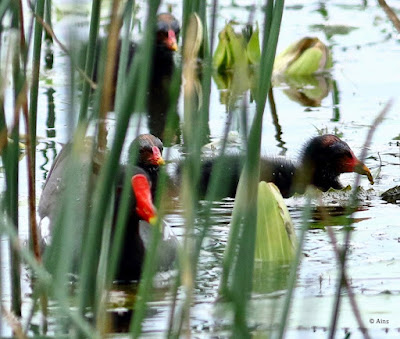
{"x":30,"y":124}
{"x":37,"y":50}
{"x":206,"y":83}
{"x":48,"y":20}
{"x":106,"y":97}
{"x":30,"y":141}
{"x":352,"y":205}
{"x":123,"y":57}
{"x":390,"y":14}
{"x":3,"y":144}
{"x":11,"y":155}
{"x":193,"y":128}
{"x":242,"y":268}
{"x":293,"y":270}
{"x":353,"y":303}
{"x":107,"y":174}
{"x":90,"y":57}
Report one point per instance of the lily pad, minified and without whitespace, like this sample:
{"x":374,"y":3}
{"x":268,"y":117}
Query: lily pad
{"x":331,"y":30}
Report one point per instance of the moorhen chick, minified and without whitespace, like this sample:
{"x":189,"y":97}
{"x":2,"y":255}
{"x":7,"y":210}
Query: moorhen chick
{"x":322,"y":161}
{"x":149,"y":159}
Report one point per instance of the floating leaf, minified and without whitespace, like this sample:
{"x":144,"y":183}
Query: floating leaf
{"x":276,"y":239}
{"x":331,"y":30}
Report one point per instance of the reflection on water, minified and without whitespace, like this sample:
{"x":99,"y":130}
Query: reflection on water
{"x":307,"y":90}
{"x":47,"y":147}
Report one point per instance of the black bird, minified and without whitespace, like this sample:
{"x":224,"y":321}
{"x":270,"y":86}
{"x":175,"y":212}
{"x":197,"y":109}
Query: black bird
{"x":141,"y":210}
{"x":163,"y":66}
{"x":141,"y":215}
{"x":322,"y":161}
{"x":148,"y":150}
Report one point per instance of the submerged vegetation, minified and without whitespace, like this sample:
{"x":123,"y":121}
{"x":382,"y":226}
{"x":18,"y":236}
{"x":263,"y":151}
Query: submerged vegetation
{"x":96,"y":198}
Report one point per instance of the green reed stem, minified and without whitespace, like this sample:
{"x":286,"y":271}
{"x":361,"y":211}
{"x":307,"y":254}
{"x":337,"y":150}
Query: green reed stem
{"x":107,"y":174}
{"x":90,"y":57}
{"x":44,"y":279}
{"x":123,"y":57}
{"x":115,"y":246}
{"x":4,"y":6}
{"x":11,"y":156}
{"x":351,"y":208}
{"x":37,"y":51}
{"x":291,"y":282}
{"x":241,"y":268}
{"x":206,"y":85}
{"x":194,"y":134}
{"x":48,"y":20}
{"x":3,"y":138}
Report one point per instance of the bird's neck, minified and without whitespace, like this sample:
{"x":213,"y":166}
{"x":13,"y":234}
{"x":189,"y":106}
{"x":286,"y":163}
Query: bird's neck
{"x":163,"y":63}
{"x":322,"y":177}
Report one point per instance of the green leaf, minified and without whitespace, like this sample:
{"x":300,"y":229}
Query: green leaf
{"x":220,"y":54}
{"x":276,"y":239}
{"x":236,"y":46}
{"x":304,"y":57}
{"x":253,"y":48}
{"x":307,"y":63}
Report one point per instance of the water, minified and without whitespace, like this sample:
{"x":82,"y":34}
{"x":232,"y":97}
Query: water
{"x":365,"y":73}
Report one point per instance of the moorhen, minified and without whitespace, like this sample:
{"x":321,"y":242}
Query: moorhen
{"x":323,"y":159}
{"x":138,"y":232}
{"x":149,"y":159}
{"x":165,"y":46}
{"x":148,"y":150}
{"x":163,"y":66}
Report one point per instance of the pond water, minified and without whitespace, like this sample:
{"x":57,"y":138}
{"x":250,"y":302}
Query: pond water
{"x":365,"y":75}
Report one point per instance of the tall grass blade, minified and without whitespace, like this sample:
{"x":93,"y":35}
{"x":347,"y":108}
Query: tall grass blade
{"x":238,"y":264}
{"x":353,"y":203}
{"x":106,"y":177}
{"x":11,"y":154}
{"x":90,"y":57}
{"x":123,"y":57}
{"x":36,"y":56}
{"x":291,"y":283}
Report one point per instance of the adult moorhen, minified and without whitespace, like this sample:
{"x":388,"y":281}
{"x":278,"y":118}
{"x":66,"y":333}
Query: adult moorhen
{"x":323,"y":159}
{"x":163,"y":66}
{"x":138,"y":232}
{"x":149,"y":158}
{"x":148,"y":149}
